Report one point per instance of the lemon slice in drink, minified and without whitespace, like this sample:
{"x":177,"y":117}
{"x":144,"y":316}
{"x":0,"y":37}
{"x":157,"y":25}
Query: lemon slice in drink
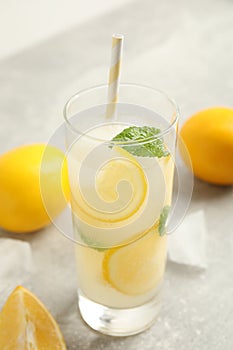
{"x":138,"y":267}
{"x":121,"y":188}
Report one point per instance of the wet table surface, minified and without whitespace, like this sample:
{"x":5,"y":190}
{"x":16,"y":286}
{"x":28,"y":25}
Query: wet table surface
{"x":186,"y":49}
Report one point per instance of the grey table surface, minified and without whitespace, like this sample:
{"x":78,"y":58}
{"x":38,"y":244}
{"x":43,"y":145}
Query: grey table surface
{"x":182,"y":47}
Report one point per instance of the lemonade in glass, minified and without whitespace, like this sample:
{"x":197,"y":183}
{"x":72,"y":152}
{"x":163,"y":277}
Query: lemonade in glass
{"x":121,"y":176}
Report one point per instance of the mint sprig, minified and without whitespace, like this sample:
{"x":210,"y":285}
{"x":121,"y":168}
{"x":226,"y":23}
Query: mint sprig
{"x":163,"y":219}
{"x":155,"y":147}
{"x":90,"y":243}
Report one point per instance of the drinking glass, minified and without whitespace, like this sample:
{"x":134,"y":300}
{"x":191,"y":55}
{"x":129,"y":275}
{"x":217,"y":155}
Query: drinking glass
{"x":121,"y":167}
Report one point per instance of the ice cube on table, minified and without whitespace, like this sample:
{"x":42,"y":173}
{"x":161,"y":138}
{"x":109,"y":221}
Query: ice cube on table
{"x":16,"y":264}
{"x":187,"y":244}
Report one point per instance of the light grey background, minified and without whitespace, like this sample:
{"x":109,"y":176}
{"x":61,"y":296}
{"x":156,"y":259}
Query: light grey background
{"x":28,"y":22}
{"x":186,"y":49}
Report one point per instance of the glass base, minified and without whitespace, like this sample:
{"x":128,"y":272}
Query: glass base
{"x":119,"y":322}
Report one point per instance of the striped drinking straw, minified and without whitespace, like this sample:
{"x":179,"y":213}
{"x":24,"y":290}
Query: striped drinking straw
{"x":114,"y":74}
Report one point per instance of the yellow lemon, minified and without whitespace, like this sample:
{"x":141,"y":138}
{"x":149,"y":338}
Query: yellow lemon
{"x":29,"y":188}
{"x":208,"y":136}
{"x":139,"y":267}
{"x":121,"y":187}
{"x":25,"y":323}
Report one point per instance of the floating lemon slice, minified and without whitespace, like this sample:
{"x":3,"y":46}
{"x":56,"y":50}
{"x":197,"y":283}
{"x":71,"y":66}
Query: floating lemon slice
{"x":136,"y":268}
{"x":25,"y":323}
{"x":121,"y":187}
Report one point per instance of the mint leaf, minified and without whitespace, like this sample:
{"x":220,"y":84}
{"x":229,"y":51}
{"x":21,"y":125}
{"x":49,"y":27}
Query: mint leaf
{"x":90,"y":243}
{"x":163,"y":219}
{"x":153,"y":148}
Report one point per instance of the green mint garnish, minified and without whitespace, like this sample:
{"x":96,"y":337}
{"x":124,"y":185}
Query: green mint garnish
{"x":90,"y":243}
{"x":163,"y":219}
{"x":153,"y":148}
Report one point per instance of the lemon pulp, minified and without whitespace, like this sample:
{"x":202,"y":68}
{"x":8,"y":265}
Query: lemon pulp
{"x":27,"y":324}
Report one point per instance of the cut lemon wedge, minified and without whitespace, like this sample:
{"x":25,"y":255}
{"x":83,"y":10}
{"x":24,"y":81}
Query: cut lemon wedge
{"x":25,"y":323}
{"x":138,"y":267}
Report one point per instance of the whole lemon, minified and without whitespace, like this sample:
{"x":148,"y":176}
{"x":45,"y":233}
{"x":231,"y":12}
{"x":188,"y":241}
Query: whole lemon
{"x":208,"y":136}
{"x":33,"y":187}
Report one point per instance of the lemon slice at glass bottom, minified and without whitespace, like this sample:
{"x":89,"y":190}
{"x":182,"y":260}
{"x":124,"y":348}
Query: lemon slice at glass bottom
{"x":138,"y":267}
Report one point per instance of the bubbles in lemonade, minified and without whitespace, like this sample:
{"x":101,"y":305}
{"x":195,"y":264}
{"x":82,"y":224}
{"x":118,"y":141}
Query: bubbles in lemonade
{"x":117,"y":204}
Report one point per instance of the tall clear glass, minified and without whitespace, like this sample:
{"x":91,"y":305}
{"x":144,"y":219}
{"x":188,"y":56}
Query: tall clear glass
{"x":121,"y":191}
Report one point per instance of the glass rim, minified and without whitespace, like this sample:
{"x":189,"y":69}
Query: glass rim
{"x":129,"y":142}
